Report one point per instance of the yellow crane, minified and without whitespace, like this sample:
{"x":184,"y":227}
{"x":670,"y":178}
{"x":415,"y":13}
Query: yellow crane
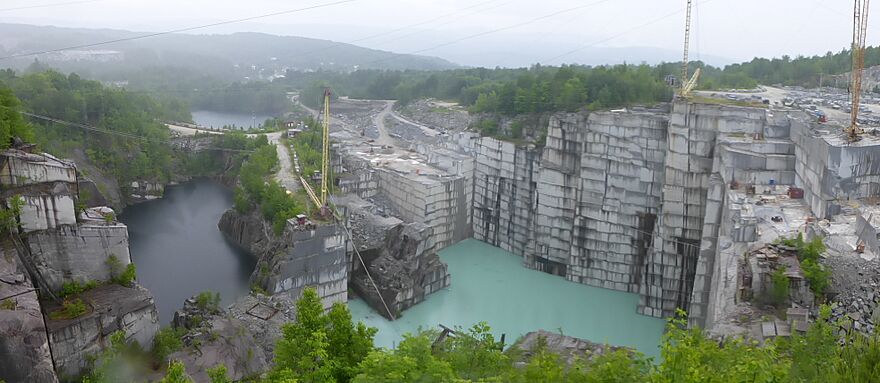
{"x":860,"y":29}
{"x":687,"y":85}
{"x":320,"y":200}
{"x":325,"y":162}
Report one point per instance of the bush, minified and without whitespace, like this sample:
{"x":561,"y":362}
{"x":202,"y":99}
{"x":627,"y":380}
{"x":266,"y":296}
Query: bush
{"x":166,"y":342}
{"x":127,"y":276}
{"x":71,"y":308}
{"x":8,"y":304}
{"x":208,"y":301}
{"x":779,"y":287}
{"x":817,"y":275}
{"x":76,"y":288}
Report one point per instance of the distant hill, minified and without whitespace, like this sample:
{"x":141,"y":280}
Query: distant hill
{"x":232,"y":56}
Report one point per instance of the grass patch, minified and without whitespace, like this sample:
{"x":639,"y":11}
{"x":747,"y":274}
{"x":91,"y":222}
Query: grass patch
{"x":70,"y":309}
{"x":8,"y":304}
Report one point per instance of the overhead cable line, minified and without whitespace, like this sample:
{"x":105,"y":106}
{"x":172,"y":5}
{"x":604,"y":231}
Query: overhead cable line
{"x":111,"y":132}
{"x":496,"y":30}
{"x":23,"y":7}
{"x":640,"y":26}
{"x":399,"y":29}
{"x":187,"y":29}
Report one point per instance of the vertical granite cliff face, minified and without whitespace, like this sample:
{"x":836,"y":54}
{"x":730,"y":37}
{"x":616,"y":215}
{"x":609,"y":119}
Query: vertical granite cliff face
{"x":55,"y":245}
{"x":24,"y":346}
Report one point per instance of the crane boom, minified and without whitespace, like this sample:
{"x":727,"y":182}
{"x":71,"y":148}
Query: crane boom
{"x":687,"y":85}
{"x":325,"y":161}
{"x":687,"y":44}
{"x":860,"y":29}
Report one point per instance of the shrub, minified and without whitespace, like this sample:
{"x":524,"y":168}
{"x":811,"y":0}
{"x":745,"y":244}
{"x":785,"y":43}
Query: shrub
{"x":166,"y":342}
{"x":119,"y":275}
{"x":71,"y":308}
{"x":8,"y":304}
{"x":817,"y":275}
{"x":127,"y":276}
{"x":779,"y":287}
{"x":76,"y":288}
{"x":208,"y":301}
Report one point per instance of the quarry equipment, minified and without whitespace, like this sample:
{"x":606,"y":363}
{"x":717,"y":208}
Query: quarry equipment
{"x":320,"y":200}
{"x":860,"y":28}
{"x":687,"y":85}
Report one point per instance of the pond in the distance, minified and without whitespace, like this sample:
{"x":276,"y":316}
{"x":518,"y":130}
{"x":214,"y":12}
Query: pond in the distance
{"x":217,"y":120}
{"x":178,"y":249}
{"x":491,"y":285}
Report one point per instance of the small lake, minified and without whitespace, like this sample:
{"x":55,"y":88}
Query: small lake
{"x":491,"y":285}
{"x":217,"y":120}
{"x":180,"y":252}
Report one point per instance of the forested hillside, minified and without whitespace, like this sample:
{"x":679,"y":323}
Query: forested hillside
{"x":71,"y":98}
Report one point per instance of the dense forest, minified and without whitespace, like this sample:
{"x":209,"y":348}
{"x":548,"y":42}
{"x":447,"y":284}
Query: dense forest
{"x":71,"y":98}
{"x":205,"y":92}
{"x":801,"y":70}
{"x":328,"y":347}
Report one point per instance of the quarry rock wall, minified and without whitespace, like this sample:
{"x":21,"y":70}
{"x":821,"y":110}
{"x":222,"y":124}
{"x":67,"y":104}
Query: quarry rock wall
{"x":79,"y":253}
{"x":112,"y":308}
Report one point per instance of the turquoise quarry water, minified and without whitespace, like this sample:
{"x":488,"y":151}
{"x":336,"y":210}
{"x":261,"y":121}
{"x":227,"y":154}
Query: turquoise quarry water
{"x":490,"y":284}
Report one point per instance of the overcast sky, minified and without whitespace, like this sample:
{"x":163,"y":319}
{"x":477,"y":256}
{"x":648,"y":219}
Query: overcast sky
{"x":550,"y":31}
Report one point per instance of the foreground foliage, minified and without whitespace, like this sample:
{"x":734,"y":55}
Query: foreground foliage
{"x":326,"y":347}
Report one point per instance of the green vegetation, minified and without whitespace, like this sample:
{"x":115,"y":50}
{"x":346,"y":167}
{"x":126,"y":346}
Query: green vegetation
{"x":70,"y":309}
{"x":176,"y":374}
{"x":329,"y":347}
{"x":779,"y":286}
{"x":273,"y":200}
{"x":76,"y":288}
{"x":166,"y":342}
{"x":8,"y":304}
{"x":816,"y":274}
{"x":9,"y":215}
{"x":208,"y":301}
{"x":12,"y":124}
{"x":218,"y":375}
{"x":87,"y":102}
{"x":123,"y":276}
{"x":321,"y":347}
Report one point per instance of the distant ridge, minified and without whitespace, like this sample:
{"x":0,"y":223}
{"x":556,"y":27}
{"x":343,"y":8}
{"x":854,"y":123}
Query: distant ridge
{"x":243,"y":54}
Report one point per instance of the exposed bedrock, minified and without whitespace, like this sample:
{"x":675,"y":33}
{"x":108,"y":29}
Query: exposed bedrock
{"x":216,"y":338}
{"x":111,"y":308}
{"x":404,"y":271}
{"x":306,"y":254}
{"x":24,"y":347}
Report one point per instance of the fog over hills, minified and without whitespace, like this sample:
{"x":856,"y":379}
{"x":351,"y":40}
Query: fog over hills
{"x":232,"y":56}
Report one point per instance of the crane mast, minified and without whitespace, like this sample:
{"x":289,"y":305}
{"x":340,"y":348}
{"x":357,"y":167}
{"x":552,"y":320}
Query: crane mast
{"x":687,"y":85}
{"x":325,"y":161}
{"x":860,"y":28}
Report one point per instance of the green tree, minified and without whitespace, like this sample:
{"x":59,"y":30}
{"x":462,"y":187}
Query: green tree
{"x":320,"y":347}
{"x":12,"y":124}
{"x":411,"y":361}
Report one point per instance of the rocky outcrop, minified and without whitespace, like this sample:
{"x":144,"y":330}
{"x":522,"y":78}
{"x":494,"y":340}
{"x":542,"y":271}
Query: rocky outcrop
{"x":569,"y":348}
{"x":112,"y":308}
{"x":404,"y":272}
{"x":24,"y":348}
{"x":215,"y":337}
{"x":80,"y":253}
{"x":248,"y":231}
{"x":304,"y":255}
